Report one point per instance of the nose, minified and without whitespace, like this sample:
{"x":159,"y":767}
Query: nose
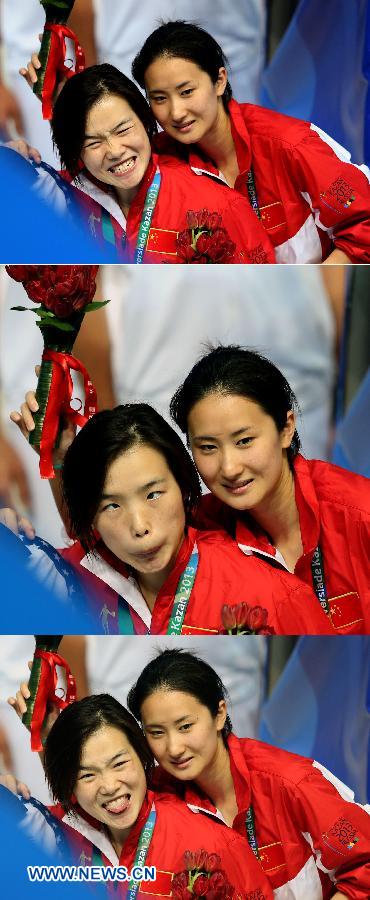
{"x":113,"y":144}
{"x":175,"y":745}
{"x":139,"y":524}
{"x":109,"y":784}
{"x":231,"y":464}
{"x":177,"y":110}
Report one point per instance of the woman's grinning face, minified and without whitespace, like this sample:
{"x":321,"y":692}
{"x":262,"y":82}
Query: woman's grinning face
{"x":116,"y":148}
{"x":111,"y":782}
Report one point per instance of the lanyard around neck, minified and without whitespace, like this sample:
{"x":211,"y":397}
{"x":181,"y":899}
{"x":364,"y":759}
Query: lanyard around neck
{"x":147,"y":216}
{"x":318,"y":579}
{"x":145,"y":838}
{"x":251,"y":832}
{"x":252,"y":192}
{"x":183,"y":594}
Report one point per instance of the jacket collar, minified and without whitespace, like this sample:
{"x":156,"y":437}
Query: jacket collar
{"x":252,"y":538}
{"x":241,"y":138}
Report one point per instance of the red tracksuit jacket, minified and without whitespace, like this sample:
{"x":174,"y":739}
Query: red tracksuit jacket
{"x":311,"y":198}
{"x":225,"y":576}
{"x":176,"y":830}
{"x":181,"y":191}
{"x":312,"y":838}
{"x":334,"y":513}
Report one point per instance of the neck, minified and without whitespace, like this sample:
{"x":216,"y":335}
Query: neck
{"x":125,"y":198}
{"x":216,"y":780}
{"x":117,"y":837}
{"x":278,"y":514}
{"x":218,"y":143}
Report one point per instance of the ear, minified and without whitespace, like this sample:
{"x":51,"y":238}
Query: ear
{"x":287,"y":434}
{"x":221,"y":81}
{"x":221,"y":715}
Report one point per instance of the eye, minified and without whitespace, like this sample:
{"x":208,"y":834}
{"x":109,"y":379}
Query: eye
{"x":244,"y":441}
{"x":154,"y":734}
{"x":154,"y":495}
{"x":186,"y":726}
{"x":110,"y":507}
{"x":123,"y":130}
{"x":207,"y":448}
{"x":86,"y":776}
{"x":119,"y":765}
{"x":186,"y":92}
{"x":92,"y":145}
{"x":158,"y":99}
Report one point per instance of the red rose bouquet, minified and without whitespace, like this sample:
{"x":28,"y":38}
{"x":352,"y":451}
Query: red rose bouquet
{"x":43,"y":686}
{"x":65,"y":294}
{"x":53,"y":52}
{"x":202,"y":877}
{"x":245,"y":619}
{"x":204,"y":241}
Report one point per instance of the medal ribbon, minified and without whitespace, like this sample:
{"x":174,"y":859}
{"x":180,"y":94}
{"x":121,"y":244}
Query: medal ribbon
{"x":145,"y":838}
{"x":56,"y":63}
{"x":318,"y":578}
{"x":251,"y":832}
{"x":46,"y":692}
{"x":59,"y":402}
{"x":147,"y":216}
{"x":252,"y":193}
{"x":183,"y":594}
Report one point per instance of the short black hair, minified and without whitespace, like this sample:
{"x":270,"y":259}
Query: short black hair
{"x":71,"y":730}
{"x":242,"y":372}
{"x":104,"y":437}
{"x":180,"y":670}
{"x":183,"y":40}
{"x":77,"y":97}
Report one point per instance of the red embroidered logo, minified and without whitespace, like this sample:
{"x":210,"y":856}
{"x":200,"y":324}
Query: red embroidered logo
{"x":339,"y":192}
{"x":345,"y":833}
{"x":257,"y":254}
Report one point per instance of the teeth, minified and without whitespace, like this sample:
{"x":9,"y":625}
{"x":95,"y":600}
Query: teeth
{"x":123,"y":167}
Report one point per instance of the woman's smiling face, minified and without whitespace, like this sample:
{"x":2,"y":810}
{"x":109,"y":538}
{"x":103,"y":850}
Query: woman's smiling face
{"x":111,"y":783}
{"x":116,"y":148}
{"x":181,"y":732}
{"x":183,"y":97}
{"x":238,"y":449}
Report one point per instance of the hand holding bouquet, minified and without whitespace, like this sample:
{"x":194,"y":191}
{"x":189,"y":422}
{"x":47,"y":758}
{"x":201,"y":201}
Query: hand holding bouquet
{"x":65,"y":294}
{"x":53,"y":52}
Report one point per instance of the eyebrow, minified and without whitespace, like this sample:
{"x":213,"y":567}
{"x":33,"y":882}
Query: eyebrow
{"x":144,"y":487}
{"x":177,"y":87}
{"x":211,"y":437}
{"x":109,"y":761}
{"x":91,"y":137}
{"x":176,"y":722}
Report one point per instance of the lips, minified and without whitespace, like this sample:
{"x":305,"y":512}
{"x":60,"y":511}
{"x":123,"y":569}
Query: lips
{"x":182,"y":763}
{"x":147,"y":554}
{"x":185,"y":126}
{"x":237,"y":487}
{"x":117,"y":806}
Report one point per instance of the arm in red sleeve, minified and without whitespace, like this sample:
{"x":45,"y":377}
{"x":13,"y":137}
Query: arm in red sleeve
{"x":339,"y":832}
{"x":338,"y":192}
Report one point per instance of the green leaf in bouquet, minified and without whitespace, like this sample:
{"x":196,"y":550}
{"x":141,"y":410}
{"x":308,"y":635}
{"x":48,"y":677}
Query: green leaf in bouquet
{"x":96,"y":304}
{"x":55,"y":323}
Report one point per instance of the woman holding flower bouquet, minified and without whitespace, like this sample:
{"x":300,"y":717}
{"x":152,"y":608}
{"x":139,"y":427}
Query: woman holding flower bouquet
{"x":130,"y":491}
{"x":97,"y":763}
{"x":155,"y":206}
{"x":310,"y":838}
{"x":313,"y":203}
